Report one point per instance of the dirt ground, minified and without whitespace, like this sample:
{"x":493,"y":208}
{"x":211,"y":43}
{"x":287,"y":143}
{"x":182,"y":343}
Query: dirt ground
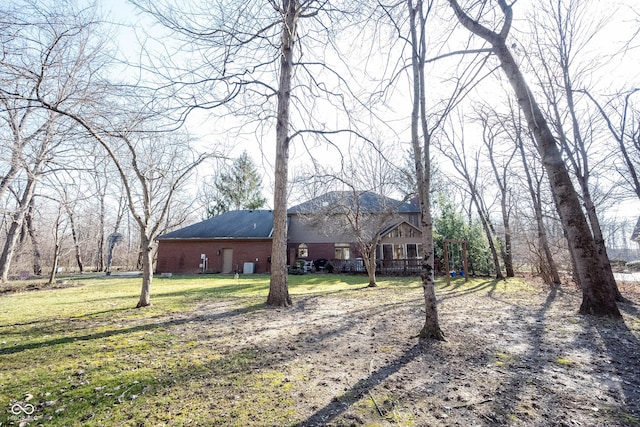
{"x":511,"y":358}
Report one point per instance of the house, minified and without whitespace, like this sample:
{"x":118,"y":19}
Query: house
{"x":333,"y":226}
{"x":319,"y":229}
{"x":236,"y":241}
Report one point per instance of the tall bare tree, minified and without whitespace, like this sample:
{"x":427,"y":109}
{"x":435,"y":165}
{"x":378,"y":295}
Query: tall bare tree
{"x":598,"y":294}
{"x":559,"y":46}
{"x":501,"y":166}
{"x":248,"y":71}
{"x":421,"y":145}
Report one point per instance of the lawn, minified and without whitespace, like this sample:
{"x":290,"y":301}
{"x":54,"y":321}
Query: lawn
{"x":83,"y":355}
{"x":208,"y":352}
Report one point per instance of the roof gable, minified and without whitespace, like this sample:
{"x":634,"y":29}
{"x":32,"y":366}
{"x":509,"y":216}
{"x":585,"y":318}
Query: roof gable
{"x":243,"y":224}
{"x":394,"y":226}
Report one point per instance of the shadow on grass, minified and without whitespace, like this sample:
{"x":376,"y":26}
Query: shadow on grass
{"x":52,"y":325}
{"x":122,"y":331}
{"x":460,"y":288}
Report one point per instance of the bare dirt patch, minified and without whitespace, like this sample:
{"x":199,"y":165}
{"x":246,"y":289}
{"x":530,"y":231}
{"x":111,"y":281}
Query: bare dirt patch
{"x":511,"y":357}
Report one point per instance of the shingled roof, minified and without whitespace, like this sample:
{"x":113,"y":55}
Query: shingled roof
{"x":243,"y":224}
{"x":368,"y":201}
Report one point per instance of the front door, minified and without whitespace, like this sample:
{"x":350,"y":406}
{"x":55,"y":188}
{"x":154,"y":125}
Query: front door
{"x":227,"y":261}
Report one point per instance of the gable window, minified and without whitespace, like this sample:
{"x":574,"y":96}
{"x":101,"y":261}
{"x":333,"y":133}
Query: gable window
{"x":342,"y":251}
{"x":303,"y":250}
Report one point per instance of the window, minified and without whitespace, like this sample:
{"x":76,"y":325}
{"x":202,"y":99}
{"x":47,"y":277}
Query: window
{"x":303,"y":250}
{"x":398,"y":252}
{"x":342,"y":251}
{"x":412,"y":250}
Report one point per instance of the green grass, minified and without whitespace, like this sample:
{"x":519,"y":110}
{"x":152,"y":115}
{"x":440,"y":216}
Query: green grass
{"x":84,"y":356}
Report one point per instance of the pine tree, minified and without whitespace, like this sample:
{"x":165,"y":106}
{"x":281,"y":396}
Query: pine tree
{"x":240,"y":188}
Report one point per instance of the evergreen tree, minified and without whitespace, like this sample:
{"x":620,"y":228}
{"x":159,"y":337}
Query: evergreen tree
{"x":240,"y":188}
{"x":451,"y":224}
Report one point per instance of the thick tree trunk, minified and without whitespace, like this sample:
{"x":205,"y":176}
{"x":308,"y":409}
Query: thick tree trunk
{"x":278,"y":286}
{"x":598,"y":298}
{"x":37,"y":256}
{"x":13,"y":234}
{"x":147,"y":271}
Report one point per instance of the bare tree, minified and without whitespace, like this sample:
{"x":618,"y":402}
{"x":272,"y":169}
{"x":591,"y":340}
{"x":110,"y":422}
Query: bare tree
{"x":248,"y":71}
{"x":421,"y":145}
{"x":501,"y":172}
{"x":547,"y":264}
{"x":470,"y":174}
{"x":567,"y":37}
{"x":598,"y":294}
{"x":622,"y":118}
{"x":35,"y":165}
{"x":67,"y":78}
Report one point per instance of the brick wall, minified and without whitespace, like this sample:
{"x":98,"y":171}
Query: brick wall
{"x":183,"y":256}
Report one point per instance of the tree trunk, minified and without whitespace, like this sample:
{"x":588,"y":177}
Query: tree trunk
{"x":54,"y":262}
{"x":76,"y":243}
{"x":100,"y":243}
{"x":147,"y":271}
{"x":14,"y":229}
{"x":598,"y":239}
{"x":278,"y":286}
{"x":537,"y":207}
{"x":597,"y":296}
{"x":369,"y":259}
{"x":508,"y":247}
{"x":37,"y":257}
{"x":431,"y":328}
{"x":488,"y":230}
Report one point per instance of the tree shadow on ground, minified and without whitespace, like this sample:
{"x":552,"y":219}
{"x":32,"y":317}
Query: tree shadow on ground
{"x":505,"y":403}
{"x":148,"y":326}
{"x":621,"y":373}
{"x":460,"y":289}
{"x":343,"y":402}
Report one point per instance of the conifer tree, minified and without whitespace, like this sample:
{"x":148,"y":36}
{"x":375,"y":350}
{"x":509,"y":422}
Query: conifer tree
{"x":239,"y":188}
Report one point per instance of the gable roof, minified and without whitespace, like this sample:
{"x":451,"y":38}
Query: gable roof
{"x":368,"y":201}
{"x":243,"y":224}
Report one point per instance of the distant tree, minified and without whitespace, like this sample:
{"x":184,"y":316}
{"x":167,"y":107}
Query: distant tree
{"x":450,"y":223}
{"x":240,"y":188}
